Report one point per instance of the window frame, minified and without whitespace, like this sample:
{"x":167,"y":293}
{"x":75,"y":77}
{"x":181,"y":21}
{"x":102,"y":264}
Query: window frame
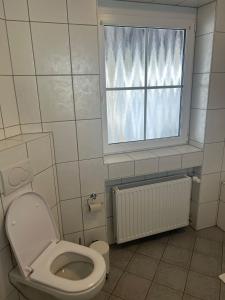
{"x":143,"y":21}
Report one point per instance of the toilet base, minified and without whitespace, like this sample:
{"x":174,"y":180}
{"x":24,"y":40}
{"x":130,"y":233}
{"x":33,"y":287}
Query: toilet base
{"x":32,"y":291}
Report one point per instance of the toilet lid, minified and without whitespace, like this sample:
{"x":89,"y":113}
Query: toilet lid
{"x":30,"y":229}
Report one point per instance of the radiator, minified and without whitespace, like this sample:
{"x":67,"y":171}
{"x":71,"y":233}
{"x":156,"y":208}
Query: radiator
{"x":149,"y":209}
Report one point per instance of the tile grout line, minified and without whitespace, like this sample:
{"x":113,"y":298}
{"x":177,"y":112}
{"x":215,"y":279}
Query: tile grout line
{"x":189,"y":266}
{"x":35,"y":67}
{"x":75,"y":117}
{"x":11,"y":75}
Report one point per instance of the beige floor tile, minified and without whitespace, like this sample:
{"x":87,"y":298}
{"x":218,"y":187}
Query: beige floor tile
{"x":143,"y":266}
{"x":188,"y":297}
{"x":177,"y":256}
{"x":212,"y":233}
{"x":208,"y":247}
{"x":172,"y":276}
{"x":120,"y":257}
{"x":152,"y":248}
{"x":102,"y":296}
{"x":184,"y":240}
{"x":202,"y":286}
{"x":132,"y":287}
{"x":160,"y":292}
{"x":205,"y":264}
{"x":112,"y":279}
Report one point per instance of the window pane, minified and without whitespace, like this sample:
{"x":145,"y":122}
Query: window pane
{"x":165,"y":57}
{"x":125,"y":115}
{"x":163,"y":113}
{"x":124,"y":56}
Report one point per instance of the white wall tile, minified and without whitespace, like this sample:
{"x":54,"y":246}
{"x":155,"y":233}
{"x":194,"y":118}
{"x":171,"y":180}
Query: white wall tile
{"x":5,"y":266}
{"x":21,"y":48}
{"x":12,"y":131}
{"x":215,"y":126}
{"x":207,"y":215}
{"x":3,"y":239}
{"x":64,"y":134}
{"x":2,"y":134}
{"x":8,"y":102}
{"x":92,"y":235}
{"x":119,"y":170}
{"x":82,"y":12}
{"x":89,"y":134}
{"x":71,"y":215}
{"x":31,"y":128}
{"x":87,"y":97}
{"x":44,"y":185}
{"x":222,"y":187}
{"x":93,"y":173}
{"x":190,"y":160}
{"x":213,"y":155}
{"x":16,"y":10}
{"x":48,"y":11}
{"x":200,"y":90}
{"x":68,"y":180}
{"x":221,"y":214}
{"x":117,"y":158}
{"x":197,"y":125}
{"x":56,"y":98}
{"x":5,"y":64}
{"x":209,"y":188}
{"x":7,"y":200}
{"x":217,"y":91}
{"x":77,"y":237}
{"x":110,"y":231}
{"x":206,"y":19}
{"x":109,"y":201}
{"x":51,"y":48}
{"x":220,"y":22}
{"x":54,"y":212}
{"x":60,"y":220}
{"x":2,"y":13}
{"x":27,"y":98}
{"x":169,"y":163}
{"x":39,"y":152}
{"x":94,"y":219}
{"x":203,"y":53}
{"x":218,"y":63}
{"x":146,"y":166}
{"x":12,"y":156}
{"x":84,"y":49}
{"x":223,"y":164}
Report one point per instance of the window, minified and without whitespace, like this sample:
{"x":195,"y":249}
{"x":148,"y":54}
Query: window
{"x":145,"y":87}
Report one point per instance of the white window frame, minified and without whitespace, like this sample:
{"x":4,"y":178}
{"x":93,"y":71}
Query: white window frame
{"x":137,"y":21}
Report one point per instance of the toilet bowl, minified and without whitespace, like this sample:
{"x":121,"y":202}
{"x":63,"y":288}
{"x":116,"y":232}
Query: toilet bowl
{"x":49,"y":268}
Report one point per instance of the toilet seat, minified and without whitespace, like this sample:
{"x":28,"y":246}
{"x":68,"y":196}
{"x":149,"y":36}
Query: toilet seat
{"x":41,"y":271}
{"x":35,"y":241}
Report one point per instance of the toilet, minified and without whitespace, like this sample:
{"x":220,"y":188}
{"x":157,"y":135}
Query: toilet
{"x":49,"y":268}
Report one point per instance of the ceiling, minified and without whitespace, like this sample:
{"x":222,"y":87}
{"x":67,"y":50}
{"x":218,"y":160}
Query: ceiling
{"x":189,"y":3}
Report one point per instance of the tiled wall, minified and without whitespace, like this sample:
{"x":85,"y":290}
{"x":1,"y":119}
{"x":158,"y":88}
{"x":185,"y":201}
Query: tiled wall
{"x":218,"y":92}
{"x":53,"y":47}
{"x":208,"y":111}
{"x":9,"y":117}
{"x":38,"y":148}
{"x":49,"y":81}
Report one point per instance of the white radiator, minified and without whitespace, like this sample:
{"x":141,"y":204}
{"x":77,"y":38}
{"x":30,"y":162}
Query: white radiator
{"x":149,"y":209}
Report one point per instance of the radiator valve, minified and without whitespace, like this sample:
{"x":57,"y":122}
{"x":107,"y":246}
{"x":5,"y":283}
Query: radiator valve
{"x":196,"y":179}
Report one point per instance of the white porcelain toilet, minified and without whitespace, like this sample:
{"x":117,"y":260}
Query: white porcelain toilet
{"x":49,"y":268}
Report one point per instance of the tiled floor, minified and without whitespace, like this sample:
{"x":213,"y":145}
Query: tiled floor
{"x":178,"y":265}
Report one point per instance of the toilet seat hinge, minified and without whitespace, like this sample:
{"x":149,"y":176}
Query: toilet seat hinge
{"x":29,"y":269}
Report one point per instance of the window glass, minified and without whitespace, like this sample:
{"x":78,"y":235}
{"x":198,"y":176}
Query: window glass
{"x":143,"y":71}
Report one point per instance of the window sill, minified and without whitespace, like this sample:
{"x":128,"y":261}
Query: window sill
{"x":153,"y":161}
